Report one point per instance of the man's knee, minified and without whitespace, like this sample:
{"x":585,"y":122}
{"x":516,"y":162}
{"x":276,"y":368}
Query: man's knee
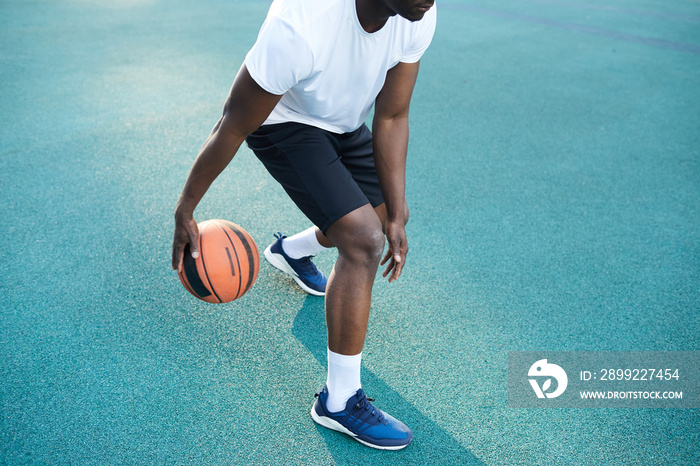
{"x":364,"y":244}
{"x":371,"y":244}
{"x":358,"y":236}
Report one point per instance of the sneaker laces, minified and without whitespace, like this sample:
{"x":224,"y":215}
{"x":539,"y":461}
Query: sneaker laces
{"x":365,"y":403}
{"x":306,"y":265}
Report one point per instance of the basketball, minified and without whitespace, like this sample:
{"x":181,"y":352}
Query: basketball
{"x":227,"y":265}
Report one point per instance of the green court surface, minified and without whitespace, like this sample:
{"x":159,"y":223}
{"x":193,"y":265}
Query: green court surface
{"x":554,"y":187}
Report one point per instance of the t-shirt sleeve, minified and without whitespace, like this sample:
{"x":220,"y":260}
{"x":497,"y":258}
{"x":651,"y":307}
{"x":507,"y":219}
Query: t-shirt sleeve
{"x":280,"y":57}
{"x":423,"y":35}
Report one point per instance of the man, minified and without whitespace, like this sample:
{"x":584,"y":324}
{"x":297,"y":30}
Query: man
{"x":300,"y":101}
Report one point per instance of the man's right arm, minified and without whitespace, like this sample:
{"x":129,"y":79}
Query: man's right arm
{"x":247,"y":107}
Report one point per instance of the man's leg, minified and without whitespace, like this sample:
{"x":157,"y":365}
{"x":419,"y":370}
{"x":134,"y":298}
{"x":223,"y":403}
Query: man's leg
{"x":342,"y":404}
{"x":359,"y":239}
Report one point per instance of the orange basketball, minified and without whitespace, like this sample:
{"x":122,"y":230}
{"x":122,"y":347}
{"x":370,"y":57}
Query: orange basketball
{"x":227,"y":265}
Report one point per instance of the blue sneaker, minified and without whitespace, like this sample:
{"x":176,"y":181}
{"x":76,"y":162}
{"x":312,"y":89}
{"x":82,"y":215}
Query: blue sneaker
{"x":303,"y":271}
{"x":363,"y":422}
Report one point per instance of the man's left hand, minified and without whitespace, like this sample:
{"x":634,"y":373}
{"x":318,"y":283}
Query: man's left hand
{"x":398,"y":249}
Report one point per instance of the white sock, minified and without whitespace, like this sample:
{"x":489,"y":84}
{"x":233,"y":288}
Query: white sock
{"x":302,"y":244}
{"x":343,"y":379}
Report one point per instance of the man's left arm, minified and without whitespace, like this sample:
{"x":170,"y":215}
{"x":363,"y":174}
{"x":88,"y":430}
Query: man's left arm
{"x":390,"y":140}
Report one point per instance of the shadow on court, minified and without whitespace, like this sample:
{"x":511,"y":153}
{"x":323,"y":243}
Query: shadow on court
{"x":430,"y":440}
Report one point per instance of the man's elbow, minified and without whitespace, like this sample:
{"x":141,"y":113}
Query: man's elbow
{"x":234,"y":125}
{"x":390,"y":120}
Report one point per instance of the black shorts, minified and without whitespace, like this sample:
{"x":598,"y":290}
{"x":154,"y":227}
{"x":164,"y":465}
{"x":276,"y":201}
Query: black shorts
{"x":327,"y":175}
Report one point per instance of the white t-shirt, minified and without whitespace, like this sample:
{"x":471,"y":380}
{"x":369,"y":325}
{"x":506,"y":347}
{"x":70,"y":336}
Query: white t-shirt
{"x":327,"y":68}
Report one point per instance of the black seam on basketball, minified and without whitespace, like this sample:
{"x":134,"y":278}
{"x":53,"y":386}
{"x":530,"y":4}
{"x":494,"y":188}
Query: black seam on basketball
{"x":195,"y":281}
{"x":230,"y":260}
{"x":249,"y":252}
{"x":204,"y":265}
{"x":187,"y":285}
{"x":238,"y":262}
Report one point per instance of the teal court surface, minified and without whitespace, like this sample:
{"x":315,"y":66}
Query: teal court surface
{"x":554,"y":187}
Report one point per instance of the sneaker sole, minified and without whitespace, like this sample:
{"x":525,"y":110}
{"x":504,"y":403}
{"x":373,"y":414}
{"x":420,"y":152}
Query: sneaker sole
{"x":335,"y":425}
{"x":282,"y":265}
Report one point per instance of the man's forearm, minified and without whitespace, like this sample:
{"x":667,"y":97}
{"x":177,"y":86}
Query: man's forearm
{"x":390,"y":136}
{"x":213,"y":158}
{"x":247,"y":107}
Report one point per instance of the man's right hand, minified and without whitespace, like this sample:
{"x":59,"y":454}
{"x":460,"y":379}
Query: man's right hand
{"x":186,"y":232}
